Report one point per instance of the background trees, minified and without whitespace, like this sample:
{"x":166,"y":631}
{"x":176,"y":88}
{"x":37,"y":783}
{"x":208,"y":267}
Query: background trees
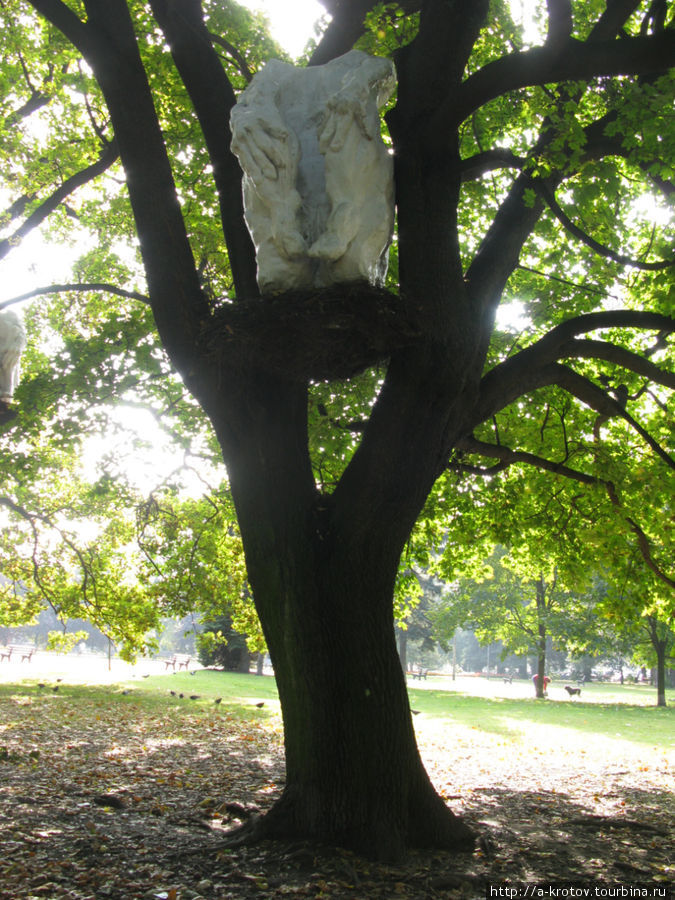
{"x":530,"y":170}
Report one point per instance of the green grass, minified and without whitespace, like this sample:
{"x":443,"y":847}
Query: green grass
{"x":599,"y":715}
{"x":239,"y":693}
{"x":498,"y":715}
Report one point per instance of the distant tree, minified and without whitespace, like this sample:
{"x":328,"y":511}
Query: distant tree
{"x":521,"y":611}
{"x":220,"y":645}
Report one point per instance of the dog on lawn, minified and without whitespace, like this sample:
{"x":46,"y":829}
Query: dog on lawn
{"x":572,"y":691}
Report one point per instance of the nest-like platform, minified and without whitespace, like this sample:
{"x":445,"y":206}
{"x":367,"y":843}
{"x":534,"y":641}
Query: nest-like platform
{"x":325,"y":333}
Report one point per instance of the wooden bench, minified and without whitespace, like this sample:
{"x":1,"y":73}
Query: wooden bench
{"x":420,"y":674}
{"x":178,"y":659}
{"x":25,"y":651}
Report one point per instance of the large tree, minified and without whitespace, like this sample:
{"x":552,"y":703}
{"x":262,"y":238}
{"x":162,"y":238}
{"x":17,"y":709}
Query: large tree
{"x":519,"y":169}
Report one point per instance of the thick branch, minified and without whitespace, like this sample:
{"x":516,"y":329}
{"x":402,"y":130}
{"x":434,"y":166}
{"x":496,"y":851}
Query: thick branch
{"x":105,"y":160}
{"x":522,"y":372}
{"x":17,"y":208}
{"x":488,"y":161}
{"x":36,"y":101}
{"x":178,"y":303}
{"x":589,"y":349}
{"x":213,"y":97}
{"x":559,"y":21}
{"x":76,"y":286}
{"x":499,"y":252}
{"x":345,"y":29}
{"x":571,"y":60}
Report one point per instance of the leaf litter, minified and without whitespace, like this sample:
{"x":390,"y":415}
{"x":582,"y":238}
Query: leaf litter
{"x":104,"y":798}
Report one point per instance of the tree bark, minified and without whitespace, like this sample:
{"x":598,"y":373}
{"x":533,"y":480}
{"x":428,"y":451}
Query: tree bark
{"x":353,"y":771}
{"x":324,"y":594}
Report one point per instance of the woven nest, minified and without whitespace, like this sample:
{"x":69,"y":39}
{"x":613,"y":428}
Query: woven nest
{"x":325,"y":333}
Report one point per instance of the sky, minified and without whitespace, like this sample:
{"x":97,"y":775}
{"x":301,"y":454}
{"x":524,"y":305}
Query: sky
{"x":291,"y":21}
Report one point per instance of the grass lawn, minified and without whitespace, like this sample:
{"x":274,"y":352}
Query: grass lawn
{"x":615,"y":712}
{"x":610,"y":710}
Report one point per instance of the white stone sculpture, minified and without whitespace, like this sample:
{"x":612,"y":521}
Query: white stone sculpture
{"x":12,"y":345}
{"x":318,"y":179}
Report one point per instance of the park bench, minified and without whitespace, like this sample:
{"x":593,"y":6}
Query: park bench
{"x":420,"y":674}
{"x":178,"y":659}
{"x":25,"y":651}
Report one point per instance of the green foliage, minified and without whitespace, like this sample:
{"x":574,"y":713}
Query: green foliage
{"x":94,"y":543}
{"x":64,"y":642}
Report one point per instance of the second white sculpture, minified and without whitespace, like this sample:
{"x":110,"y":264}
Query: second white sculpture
{"x":318,"y":179}
{"x":12,"y":345}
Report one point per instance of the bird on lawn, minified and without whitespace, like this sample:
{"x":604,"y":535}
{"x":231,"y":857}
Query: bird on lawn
{"x":218,"y":700}
{"x":181,"y":696}
{"x":194,"y":696}
{"x":261,"y":704}
{"x":145,"y":676}
{"x":55,"y":688}
{"x":173,"y":693}
{"x":41,"y":685}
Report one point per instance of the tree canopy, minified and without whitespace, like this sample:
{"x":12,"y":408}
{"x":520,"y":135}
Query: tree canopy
{"x":524,"y":328}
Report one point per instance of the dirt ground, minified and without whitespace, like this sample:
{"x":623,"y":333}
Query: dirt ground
{"x":102,"y":799}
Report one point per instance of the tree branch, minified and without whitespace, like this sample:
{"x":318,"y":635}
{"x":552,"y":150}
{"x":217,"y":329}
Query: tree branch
{"x":522,"y":373}
{"x":508,"y":457}
{"x":570,"y":60}
{"x":232,"y":51}
{"x":17,"y":208}
{"x":601,"y":249}
{"x":178,"y":303}
{"x":559,"y":21}
{"x":345,"y":29}
{"x":108,"y":156}
{"x":590,"y":349}
{"x":213,"y":98}
{"x":36,"y":101}
{"x":75,"y":286}
{"x":499,"y":158}
{"x":32,"y":518}
{"x":603,"y":403}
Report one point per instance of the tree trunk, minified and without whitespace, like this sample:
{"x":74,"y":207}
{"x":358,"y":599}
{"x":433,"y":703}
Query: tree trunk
{"x":354,"y":773}
{"x":541,"y":642}
{"x":661,"y":674}
{"x":323,"y":581}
